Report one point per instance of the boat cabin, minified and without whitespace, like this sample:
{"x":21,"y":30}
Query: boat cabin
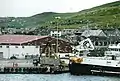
{"x":113,"y":51}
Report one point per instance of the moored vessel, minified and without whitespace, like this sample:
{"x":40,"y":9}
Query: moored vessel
{"x":107,"y":65}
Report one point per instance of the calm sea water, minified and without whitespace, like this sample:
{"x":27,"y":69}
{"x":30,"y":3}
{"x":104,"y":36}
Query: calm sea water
{"x":51,"y":77}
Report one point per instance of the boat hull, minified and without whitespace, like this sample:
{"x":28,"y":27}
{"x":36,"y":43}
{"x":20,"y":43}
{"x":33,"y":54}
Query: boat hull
{"x":87,"y":69}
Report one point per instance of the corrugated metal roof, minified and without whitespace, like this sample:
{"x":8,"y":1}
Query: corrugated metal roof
{"x":18,"y":39}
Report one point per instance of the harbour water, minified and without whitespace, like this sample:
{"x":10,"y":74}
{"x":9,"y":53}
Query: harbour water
{"x":54,"y":77}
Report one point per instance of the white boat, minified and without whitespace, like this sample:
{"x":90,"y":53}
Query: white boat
{"x":107,"y":65}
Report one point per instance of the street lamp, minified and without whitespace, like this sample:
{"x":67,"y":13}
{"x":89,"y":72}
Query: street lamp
{"x":57,"y":34}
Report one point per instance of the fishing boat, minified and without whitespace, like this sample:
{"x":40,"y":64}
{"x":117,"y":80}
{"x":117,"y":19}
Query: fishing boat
{"x":107,"y":65}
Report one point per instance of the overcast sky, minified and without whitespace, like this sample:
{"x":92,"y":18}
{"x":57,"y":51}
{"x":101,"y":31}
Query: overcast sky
{"x":19,"y":8}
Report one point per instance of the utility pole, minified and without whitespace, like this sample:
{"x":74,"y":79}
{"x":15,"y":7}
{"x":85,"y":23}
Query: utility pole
{"x":57,"y":34}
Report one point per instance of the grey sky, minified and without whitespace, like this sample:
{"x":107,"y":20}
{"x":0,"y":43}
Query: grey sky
{"x":18,"y":8}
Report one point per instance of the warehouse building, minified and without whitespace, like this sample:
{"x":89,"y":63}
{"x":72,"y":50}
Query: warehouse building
{"x":22,"y":45}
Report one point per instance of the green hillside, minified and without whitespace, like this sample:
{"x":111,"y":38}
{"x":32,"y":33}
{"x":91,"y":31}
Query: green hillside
{"x":104,"y":16}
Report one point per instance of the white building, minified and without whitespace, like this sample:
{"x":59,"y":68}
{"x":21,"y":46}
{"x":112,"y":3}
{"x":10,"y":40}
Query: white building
{"x":22,"y":45}
{"x":7,"y":51}
{"x":55,"y":33}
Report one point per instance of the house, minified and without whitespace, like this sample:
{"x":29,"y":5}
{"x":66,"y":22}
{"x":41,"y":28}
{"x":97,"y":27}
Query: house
{"x":100,"y":39}
{"x":68,"y":31}
{"x":101,"y":43}
{"x":79,"y":31}
{"x":111,"y":32}
{"x":88,"y":33}
{"x":56,"y":33}
{"x":32,"y":40}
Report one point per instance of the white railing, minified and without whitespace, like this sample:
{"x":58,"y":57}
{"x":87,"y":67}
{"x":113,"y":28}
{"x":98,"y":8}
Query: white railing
{"x":116,"y":53}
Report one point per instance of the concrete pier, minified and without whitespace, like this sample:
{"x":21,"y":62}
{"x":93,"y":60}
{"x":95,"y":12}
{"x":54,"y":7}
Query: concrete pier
{"x":27,"y":67}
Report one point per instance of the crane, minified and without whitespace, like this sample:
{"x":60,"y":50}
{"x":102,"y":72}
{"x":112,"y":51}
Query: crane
{"x":84,"y":46}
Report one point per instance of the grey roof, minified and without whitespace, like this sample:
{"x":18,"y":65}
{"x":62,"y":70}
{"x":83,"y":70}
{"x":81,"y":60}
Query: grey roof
{"x":102,"y":38}
{"x":111,"y":32}
{"x":88,"y":33}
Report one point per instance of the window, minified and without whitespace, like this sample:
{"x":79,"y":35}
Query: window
{"x":116,"y":49}
{"x":69,"y":30}
{"x":112,"y":49}
{"x":16,"y":46}
{"x":100,"y":43}
{"x":112,"y":42}
{"x":96,"y":43}
{"x":23,"y":47}
{"x":0,"y":46}
{"x":76,"y":31}
{"x":105,"y":43}
{"x":7,"y":46}
{"x":16,"y":54}
{"x":36,"y":46}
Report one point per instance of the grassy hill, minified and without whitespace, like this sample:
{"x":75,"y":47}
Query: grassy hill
{"x":104,"y":16}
